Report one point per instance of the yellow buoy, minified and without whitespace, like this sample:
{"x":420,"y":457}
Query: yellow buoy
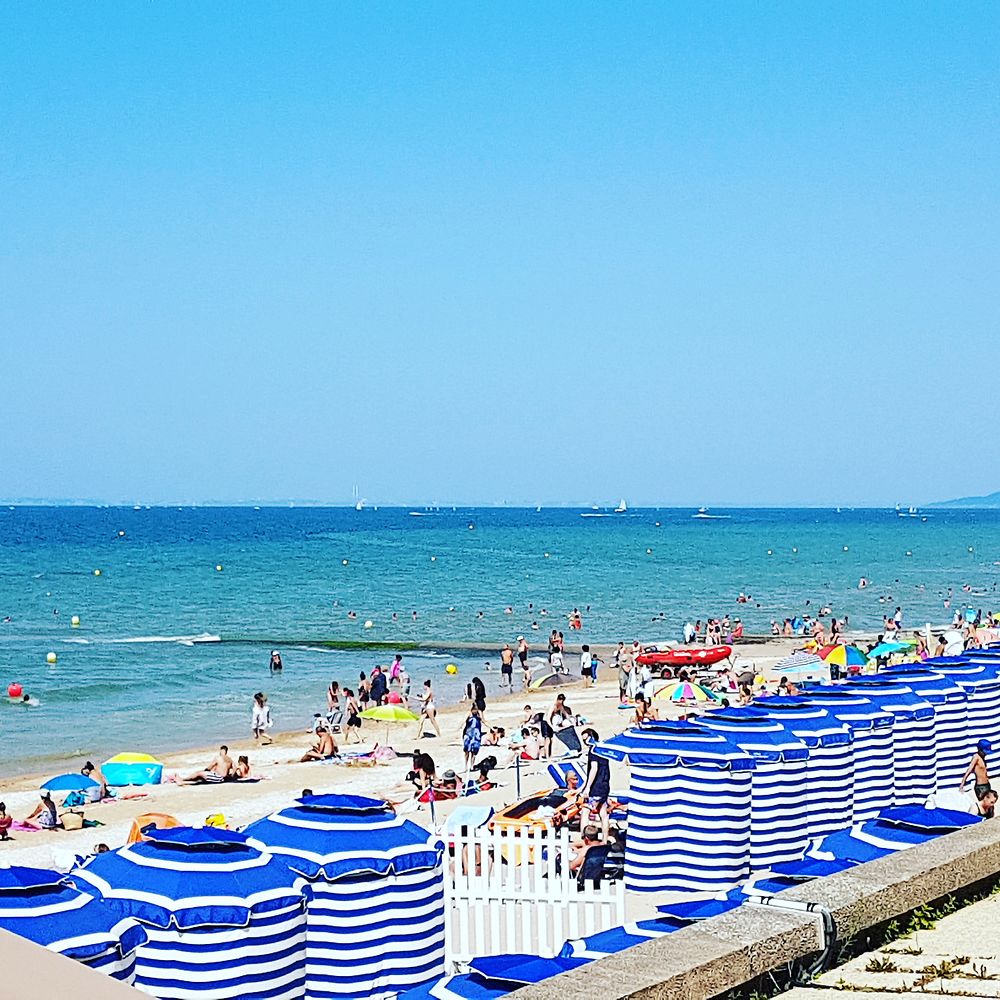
{"x":51,"y":657}
{"x":451,"y":669}
{"x":218,"y":567}
{"x":97,"y":572}
{"x":75,"y":621}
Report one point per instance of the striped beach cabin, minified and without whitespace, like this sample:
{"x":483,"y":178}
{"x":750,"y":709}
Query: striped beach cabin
{"x":43,"y":906}
{"x":689,"y":809}
{"x":778,"y":807}
{"x":224,"y":921}
{"x":375,"y":920}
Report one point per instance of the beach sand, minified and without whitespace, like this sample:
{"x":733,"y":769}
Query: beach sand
{"x":283,"y":781}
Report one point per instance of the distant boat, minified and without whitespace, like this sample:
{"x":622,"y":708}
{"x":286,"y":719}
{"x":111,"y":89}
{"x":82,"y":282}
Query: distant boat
{"x":359,"y":501}
{"x":703,"y":515}
{"x":622,"y":506}
{"x":538,"y":510}
{"x":910,"y":512}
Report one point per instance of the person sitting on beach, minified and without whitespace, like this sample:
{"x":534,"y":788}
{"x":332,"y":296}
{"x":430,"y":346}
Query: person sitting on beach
{"x":220,"y":769}
{"x":5,"y":822}
{"x":532,"y":746}
{"x":447,"y":787}
{"x":44,"y":814}
{"x":324,"y":749}
{"x":242,"y":769}
{"x":644,"y":711}
{"x":590,"y":837}
{"x":94,"y":774}
{"x":424,"y":772}
{"x":495,"y":737}
{"x":561,"y":715}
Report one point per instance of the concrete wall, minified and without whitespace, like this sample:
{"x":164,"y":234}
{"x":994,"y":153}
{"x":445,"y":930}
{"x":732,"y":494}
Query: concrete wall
{"x":725,"y":952}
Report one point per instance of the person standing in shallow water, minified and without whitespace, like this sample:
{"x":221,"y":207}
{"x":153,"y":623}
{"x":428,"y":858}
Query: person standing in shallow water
{"x":276,"y":665}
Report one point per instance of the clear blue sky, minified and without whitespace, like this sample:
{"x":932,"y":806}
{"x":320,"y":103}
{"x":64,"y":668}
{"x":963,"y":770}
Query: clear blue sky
{"x":688,"y":253}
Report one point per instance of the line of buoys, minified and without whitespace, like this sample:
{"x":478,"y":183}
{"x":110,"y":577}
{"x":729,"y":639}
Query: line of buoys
{"x":51,"y":658}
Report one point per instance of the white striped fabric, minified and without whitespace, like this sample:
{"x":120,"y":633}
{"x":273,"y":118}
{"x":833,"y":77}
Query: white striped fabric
{"x":262,"y":961}
{"x":914,"y":738}
{"x":830,"y":768}
{"x":980,"y":679}
{"x":778,"y":809}
{"x":689,"y":828}
{"x":374,"y":937}
{"x":951,"y":719}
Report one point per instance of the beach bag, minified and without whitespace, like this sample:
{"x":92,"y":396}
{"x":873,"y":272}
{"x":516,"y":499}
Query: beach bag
{"x":72,"y":820}
{"x":75,"y":799}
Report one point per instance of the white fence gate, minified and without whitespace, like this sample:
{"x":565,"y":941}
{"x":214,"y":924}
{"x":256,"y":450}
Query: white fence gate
{"x":505,"y":892}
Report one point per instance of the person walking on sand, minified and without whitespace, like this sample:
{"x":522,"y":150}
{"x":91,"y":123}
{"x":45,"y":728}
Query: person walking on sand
{"x":353,"y":716}
{"x":472,"y":736}
{"x":428,"y":711}
{"x":522,"y":655}
{"x":261,"y":722}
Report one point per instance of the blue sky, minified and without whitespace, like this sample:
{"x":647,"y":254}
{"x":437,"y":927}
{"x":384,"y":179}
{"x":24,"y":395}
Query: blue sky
{"x":688,"y":253}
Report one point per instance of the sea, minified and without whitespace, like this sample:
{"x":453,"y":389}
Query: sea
{"x":178,"y":608}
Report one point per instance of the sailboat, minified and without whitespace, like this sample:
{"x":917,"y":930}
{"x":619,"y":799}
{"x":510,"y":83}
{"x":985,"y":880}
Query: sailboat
{"x":703,"y":515}
{"x":622,"y":506}
{"x":359,"y":501}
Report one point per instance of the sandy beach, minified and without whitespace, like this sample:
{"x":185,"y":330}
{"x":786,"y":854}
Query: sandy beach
{"x":283,"y":778}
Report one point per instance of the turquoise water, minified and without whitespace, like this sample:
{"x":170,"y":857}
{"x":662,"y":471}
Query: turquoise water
{"x":131,"y":676}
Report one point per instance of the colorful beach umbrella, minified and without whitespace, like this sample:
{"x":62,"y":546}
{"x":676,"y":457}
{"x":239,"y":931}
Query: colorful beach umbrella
{"x":389,"y":713}
{"x":685,"y":691}
{"x":887,"y":649}
{"x":842,"y":655}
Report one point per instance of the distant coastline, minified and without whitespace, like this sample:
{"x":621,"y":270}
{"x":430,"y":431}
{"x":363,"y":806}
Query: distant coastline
{"x":991,"y":501}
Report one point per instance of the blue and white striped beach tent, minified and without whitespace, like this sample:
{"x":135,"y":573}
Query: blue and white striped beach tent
{"x":224,"y":920}
{"x":375,"y":919}
{"x":951,"y":718}
{"x":830,"y":769}
{"x":778,"y":809}
{"x":872,"y":730}
{"x":979,"y":670}
{"x":44,"y":907}
{"x":914,"y":736}
{"x":689,"y":816}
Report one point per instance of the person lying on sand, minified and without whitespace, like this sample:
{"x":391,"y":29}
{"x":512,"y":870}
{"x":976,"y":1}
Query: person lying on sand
{"x":323,"y":749}
{"x":221,"y":768}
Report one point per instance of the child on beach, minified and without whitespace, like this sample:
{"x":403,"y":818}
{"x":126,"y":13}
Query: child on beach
{"x":261,"y":718}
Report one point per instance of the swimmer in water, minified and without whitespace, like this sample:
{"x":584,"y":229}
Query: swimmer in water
{"x":276,"y":665}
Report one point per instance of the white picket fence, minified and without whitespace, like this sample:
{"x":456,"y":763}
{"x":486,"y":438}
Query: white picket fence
{"x":503,"y":894}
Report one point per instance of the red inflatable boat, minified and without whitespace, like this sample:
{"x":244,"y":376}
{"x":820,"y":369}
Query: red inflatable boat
{"x":697,"y":656}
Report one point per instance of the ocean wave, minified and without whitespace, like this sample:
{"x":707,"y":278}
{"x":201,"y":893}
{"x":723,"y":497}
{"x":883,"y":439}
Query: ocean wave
{"x":185,"y":640}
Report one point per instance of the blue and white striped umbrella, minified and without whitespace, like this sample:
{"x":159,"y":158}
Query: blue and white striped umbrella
{"x":951,"y":718}
{"x":914,"y":736}
{"x":375,"y":919}
{"x":830,"y":769}
{"x":871,"y":727}
{"x":689,"y":814}
{"x":224,"y":920}
{"x":778,"y":811}
{"x":44,"y":907}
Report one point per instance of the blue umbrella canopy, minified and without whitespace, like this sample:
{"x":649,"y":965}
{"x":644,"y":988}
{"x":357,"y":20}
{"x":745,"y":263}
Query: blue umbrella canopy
{"x":44,"y":907}
{"x":338,"y":836}
{"x":812,"y":724}
{"x":850,"y":707}
{"x":520,"y":970}
{"x":810,"y":868}
{"x":455,"y":988}
{"x":619,"y":938}
{"x":74,"y":781}
{"x":868,"y":841}
{"x":188,"y":878}
{"x":766,"y":740}
{"x":702,"y":909}
{"x":930,"y":820}
{"x":670,"y":744}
